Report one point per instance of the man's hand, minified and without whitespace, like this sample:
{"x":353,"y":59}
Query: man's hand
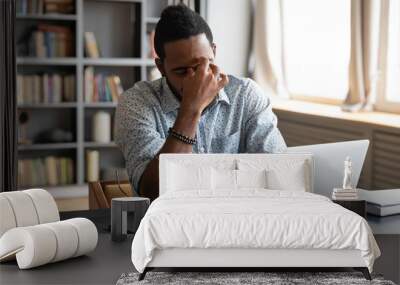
{"x":200,"y":86}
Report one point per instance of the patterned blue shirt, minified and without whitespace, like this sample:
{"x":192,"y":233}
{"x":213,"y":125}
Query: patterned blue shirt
{"x":240,"y":121}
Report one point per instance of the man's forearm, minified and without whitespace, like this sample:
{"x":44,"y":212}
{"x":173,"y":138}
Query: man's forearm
{"x":186,"y":123}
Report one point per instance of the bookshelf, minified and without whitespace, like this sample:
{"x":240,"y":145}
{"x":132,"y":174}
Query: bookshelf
{"x":121,"y":29}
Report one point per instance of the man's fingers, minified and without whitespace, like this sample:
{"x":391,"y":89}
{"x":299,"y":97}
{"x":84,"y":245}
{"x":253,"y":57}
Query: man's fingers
{"x":203,"y":65}
{"x":215,"y":70}
{"x":223,"y":80}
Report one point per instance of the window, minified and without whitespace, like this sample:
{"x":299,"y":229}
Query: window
{"x":390,"y":94}
{"x":313,"y":45}
{"x":316,"y":48}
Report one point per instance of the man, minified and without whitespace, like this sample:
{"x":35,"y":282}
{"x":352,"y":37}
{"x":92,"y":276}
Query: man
{"x":194,"y":107}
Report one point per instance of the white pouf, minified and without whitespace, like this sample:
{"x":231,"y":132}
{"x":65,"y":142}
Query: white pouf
{"x":33,"y":246}
{"x":31,"y":231}
{"x":66,"y":237}
{"x":7,"y":220}
{"x":23,"y":209}
{"x":41,"y":244}
{"x":27,"y":208}
{"x":87,"y":234}
{"x":46,"y":207}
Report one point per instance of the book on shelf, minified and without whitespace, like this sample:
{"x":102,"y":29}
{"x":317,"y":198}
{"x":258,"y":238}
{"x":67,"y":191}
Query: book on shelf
{"x":59,"y":6}
{"x":45,"y":88}
{"x":101,"y":87}
{"x":91,"y":47}
{"x":48,"y":41}
{"x":88,"y":83}
{"x":92,"y":165}
{"x":48,"y":171}
{"x":69,"y":88}
{"x":29,"y":7}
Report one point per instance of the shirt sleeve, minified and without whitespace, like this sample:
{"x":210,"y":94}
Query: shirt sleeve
{"x":136,"y":133}
{"x":262,"y":133}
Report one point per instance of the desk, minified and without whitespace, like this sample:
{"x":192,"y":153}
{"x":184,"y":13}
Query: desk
{"x":387,"y":234}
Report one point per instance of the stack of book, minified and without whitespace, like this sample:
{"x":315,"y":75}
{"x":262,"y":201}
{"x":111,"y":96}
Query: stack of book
{"x":45,"y":88}
{"x":344,"y":194}
{"x":49,"y":171}
{"x":51,"y":41}
{"x":101,"y":87}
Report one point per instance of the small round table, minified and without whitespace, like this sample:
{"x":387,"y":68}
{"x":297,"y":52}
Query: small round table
{"x":120,"y":207}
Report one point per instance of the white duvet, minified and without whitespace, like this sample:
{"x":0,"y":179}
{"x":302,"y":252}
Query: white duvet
{"x":251,"y":218}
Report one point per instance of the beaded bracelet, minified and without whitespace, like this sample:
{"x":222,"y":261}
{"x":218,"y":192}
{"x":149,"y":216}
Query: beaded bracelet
{"x":181,"y":137}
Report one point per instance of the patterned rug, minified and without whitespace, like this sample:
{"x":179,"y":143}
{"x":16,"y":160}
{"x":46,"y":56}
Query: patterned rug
{"x":243,"y":278}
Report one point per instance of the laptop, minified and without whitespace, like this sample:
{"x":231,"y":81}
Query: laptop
{"x":329,"y":163}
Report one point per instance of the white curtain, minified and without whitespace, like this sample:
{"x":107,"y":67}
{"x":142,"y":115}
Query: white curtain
{"x":268,"y":71}
{"x":368,"y":42}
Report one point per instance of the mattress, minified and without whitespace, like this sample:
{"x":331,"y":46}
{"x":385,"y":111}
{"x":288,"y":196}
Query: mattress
{"x":251,"y":219}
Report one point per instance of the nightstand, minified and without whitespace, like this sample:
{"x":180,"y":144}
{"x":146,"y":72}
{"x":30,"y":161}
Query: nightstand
{"x":357,"y":206}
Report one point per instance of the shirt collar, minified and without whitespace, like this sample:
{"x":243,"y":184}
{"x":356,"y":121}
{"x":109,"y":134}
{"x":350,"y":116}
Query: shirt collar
{"x":170,"y":103}
{"x":222,"y":96}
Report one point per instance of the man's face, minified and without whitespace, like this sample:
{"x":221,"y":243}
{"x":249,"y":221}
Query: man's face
{"x":181,"y":55}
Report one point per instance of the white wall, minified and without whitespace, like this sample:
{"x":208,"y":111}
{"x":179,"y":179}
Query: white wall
{"x":229,"y":22}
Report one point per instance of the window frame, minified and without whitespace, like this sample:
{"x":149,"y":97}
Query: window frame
{"x":316,"y":99}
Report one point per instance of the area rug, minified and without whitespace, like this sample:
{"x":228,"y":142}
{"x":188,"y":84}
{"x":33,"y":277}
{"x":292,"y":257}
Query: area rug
{"x":243,"y":278}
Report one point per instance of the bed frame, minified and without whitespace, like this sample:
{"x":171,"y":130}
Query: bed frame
{"x":259,"y":259}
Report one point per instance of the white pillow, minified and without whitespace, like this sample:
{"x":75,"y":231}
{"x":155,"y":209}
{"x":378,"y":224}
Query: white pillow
{"x":181,"y":177}
{"x":223,"y":179}
{"x":168,"y":178}
{"x":293,"y":178}
{"x":293,"y":174}
{"x":227,"y":179}
{"x":251,"y":178}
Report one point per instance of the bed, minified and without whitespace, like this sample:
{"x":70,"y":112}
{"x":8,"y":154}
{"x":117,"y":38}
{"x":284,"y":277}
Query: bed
{"x":245,"y":211}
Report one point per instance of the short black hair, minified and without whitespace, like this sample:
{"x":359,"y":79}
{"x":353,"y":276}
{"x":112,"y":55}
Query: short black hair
{"x":176,"y":23}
